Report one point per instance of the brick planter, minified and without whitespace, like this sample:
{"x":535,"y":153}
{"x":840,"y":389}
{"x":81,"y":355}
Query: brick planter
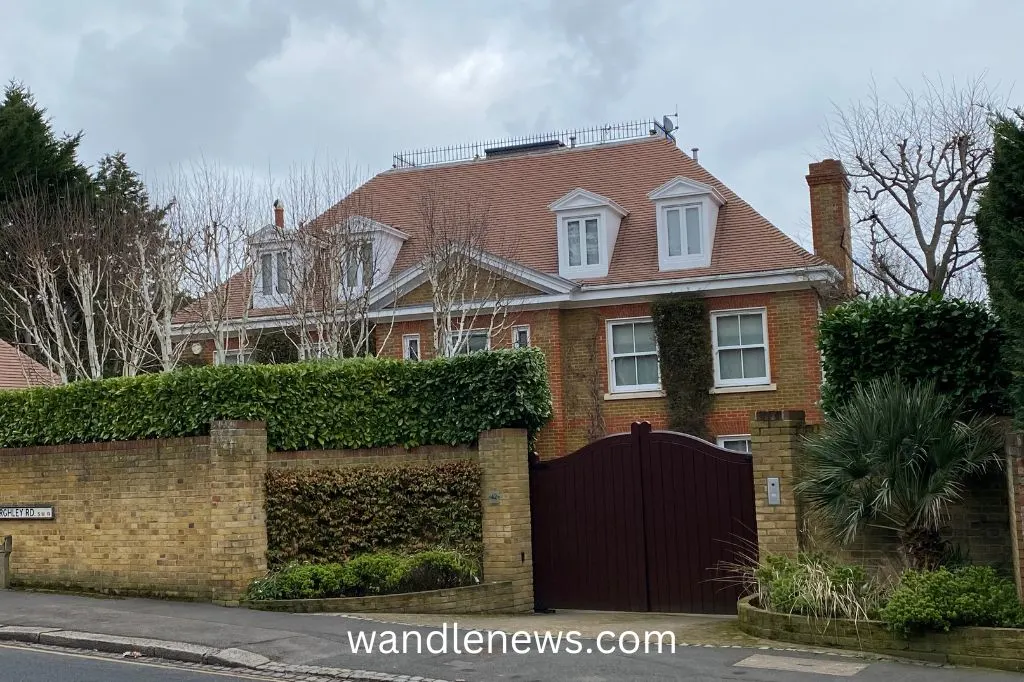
{"x":497,"y":597}
{"x":1001,"y":648}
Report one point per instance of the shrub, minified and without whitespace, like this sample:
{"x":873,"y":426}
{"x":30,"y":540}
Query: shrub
{"x":942,"y":599}
{"x":434,"y":570}
{"x":333,"y":514}
{"x":377,"y":573}
{"x":303,"y":581}
{"x":355,"y":403}
{"x":954,"y":343}
{"x":367,"y":574}
{"x":896,"y":455}
{"x":814,"y":585}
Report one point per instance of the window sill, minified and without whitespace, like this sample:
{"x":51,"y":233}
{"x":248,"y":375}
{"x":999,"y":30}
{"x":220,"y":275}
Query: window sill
{"x":626,"y":395}
{"x":755,"y":388}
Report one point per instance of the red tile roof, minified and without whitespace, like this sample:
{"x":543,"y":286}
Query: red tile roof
{"x":516,"y":190}
{"x":18,"y":370}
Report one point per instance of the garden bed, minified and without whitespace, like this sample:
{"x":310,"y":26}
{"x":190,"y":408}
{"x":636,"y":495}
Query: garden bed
{"x":1001,"y":648}
{"x":493,"y":597}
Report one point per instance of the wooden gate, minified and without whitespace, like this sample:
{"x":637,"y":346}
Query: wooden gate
{"x":641,"y":521}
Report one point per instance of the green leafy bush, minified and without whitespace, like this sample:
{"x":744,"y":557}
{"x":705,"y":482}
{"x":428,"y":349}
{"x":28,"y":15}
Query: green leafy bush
{"x":813,"y":585}
{"x":355,"y":403}
{"x":435,"y":569}
{"x":942,"y":599}
{"x":368,"y":574}
{"x":333,"y":514}
{"x":954,"y":343}
{"x":303,"y":581}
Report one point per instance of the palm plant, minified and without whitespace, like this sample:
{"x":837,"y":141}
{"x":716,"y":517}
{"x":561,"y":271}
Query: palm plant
{"x":896,"y":456}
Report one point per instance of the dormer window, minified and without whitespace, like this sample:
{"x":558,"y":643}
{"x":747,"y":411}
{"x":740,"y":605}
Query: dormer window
{"x":683,"y":225}
{"x":687,"y":213}
{"x":583,"y":241}
{"x":359,"y":267}
{"x":587,"y":225}
{"x":274,"y":275}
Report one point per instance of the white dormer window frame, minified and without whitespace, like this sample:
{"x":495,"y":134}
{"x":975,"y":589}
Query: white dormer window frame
{"x":584,"y":265}
{"x":686,"y":215}
{"x":383,"y":241}
{"x":578,"y":214}
{"x":272,"y":284}
{"x":358,"y":257}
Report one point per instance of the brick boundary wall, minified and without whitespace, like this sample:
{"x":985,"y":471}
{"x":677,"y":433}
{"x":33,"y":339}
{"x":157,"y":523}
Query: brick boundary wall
{"x":496,"y":597}
{"x":1001,"y":648}
{"x":179,"y":517}
{"x":186,"y":517}
{"x":775,"y":436}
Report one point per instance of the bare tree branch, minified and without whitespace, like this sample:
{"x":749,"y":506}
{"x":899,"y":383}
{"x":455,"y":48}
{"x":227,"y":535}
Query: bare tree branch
{"x":916,"y":168}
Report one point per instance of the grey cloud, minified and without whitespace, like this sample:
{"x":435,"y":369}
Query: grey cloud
{"x":262,"y":84}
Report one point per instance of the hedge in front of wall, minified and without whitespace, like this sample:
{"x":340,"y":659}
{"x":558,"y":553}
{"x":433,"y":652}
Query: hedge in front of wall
{"x":330,"y":515}
{"x":956,"y":343}
{"x":354,"y":403}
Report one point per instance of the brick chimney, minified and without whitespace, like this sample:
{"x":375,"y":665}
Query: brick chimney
{"x":279,"y":213}
{"x":830,"y":218}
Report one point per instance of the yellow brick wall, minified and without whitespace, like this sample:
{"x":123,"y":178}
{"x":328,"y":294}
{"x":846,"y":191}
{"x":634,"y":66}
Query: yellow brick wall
{"x":505,"y":498}
{"x":143,"y":517}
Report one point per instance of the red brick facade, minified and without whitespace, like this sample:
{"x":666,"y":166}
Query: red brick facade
{"x":575,"y":343}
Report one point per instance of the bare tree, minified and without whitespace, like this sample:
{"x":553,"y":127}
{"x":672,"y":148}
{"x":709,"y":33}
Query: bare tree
{"x":916,"y":168}
{"x":468,"y":267}
{"x":213,"y":213}
{"x":338,"y":254}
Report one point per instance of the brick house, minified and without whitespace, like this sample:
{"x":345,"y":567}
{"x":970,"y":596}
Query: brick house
{"x":597,"y":231}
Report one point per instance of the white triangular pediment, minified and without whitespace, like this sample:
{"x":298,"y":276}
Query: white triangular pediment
{"x":580,"y":198}
{"x":269,"y":234}
{"x":679,"y":187}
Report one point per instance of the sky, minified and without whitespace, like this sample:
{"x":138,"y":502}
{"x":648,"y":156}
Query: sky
{"x":264,"y":85}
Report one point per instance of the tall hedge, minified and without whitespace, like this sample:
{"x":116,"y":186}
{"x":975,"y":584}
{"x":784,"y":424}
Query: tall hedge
{"x":334,"y":514}
{"x":1001,"y":235}
{"x":956,"y":343}
{"x":353,"y":403}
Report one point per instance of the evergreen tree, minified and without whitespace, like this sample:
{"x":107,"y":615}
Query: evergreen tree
{"x":32,"y":157}
{"x":1001,"y":234}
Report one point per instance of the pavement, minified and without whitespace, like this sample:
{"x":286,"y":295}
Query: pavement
{"x":320,"y":646}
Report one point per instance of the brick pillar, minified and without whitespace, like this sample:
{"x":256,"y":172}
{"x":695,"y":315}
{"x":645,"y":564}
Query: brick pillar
{"x":1015,"y":480}
{"x":505,"y":496}
{"x":775,"y":438}
{"x":238,"y":528}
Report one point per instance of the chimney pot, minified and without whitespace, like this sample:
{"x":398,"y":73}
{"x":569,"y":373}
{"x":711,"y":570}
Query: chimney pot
{"x":695,"y":150}
{"x":830,"y":218}
{"x":279,"y":213}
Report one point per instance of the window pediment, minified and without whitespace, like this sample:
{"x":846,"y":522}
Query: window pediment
{"x":682,"y":188}
{"x":686,"y":217}
{"x":580,"y":198}
{"x":587,"y":224}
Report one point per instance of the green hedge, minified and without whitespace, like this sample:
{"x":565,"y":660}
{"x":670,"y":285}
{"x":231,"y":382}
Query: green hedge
{"x":955,"y":343}
{"x":351,"y":403}
{"x":368,"y":574}
{"x":333,"y":514}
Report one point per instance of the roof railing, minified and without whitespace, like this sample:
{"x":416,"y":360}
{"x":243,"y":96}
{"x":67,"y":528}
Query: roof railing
{"x":579,"y":137}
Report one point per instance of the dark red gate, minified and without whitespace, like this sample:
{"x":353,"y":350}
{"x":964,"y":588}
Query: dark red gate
{"x":641,"y":522}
